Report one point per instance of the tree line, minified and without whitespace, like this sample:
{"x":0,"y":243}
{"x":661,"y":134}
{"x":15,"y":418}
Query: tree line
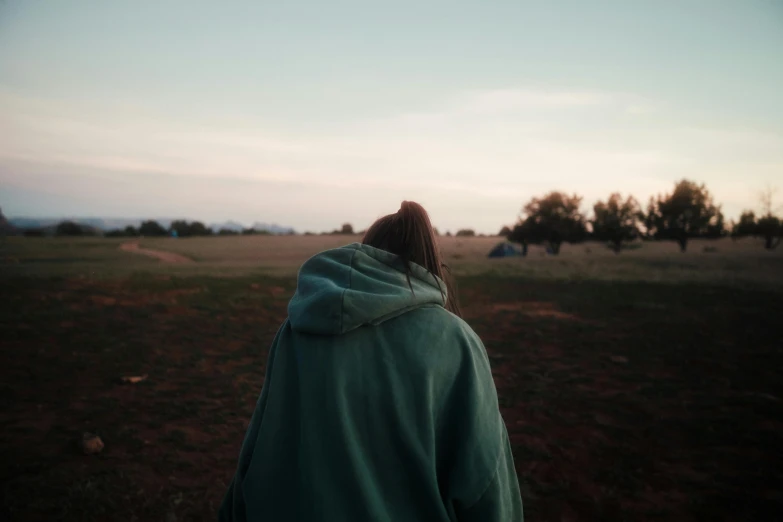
{"x":178,"y":228}
{"x":687,"y":212}
{"x":181,"y":228}
{"x":150,"y":228}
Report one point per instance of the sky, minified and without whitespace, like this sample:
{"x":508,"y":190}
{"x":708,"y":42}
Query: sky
{"x":312,"y":114}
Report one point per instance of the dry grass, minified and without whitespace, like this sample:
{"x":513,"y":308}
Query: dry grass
{"x":726,"y":262}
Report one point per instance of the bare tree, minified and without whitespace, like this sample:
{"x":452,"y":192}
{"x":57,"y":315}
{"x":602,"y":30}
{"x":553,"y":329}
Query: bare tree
{"x":767,"y":200}
{"x":769,"y":226}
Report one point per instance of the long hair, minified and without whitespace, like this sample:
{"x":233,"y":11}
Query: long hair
{"x":408,"y":234}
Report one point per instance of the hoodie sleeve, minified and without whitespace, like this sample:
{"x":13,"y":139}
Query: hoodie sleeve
{"x":233,"y":507}
{"x":501,"y":501}
{"x":481,"y":482}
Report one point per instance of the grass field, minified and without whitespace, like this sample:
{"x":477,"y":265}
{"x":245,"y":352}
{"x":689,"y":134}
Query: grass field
{"x":739,"y":263}
{"x":644,"y":386}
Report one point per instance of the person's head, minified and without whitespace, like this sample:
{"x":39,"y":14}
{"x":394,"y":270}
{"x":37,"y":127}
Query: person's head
{"x":408,"y":233}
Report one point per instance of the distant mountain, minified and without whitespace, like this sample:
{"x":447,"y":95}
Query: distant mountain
{"x":272,"y":228}
{"x":99,"y":223}
{"x":48,"y":227}
{"x":31,"y":222}
{"x":106,"y":224}
{"x":228,"y":225}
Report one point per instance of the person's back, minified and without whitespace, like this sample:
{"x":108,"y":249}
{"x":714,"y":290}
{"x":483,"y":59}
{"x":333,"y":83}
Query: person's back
{"x":378,"y":404}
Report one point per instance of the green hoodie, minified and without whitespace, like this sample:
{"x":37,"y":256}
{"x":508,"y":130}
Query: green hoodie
{"x":378,"y":405}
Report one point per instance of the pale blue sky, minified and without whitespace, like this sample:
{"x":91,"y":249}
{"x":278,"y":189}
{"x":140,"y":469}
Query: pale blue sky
{"x":315,"y":113}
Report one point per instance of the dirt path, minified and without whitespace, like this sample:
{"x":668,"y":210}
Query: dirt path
{"x":166,"y":257}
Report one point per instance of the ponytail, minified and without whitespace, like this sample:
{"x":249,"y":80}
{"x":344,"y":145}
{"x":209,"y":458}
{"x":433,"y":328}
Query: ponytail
{"x":409,"y":234}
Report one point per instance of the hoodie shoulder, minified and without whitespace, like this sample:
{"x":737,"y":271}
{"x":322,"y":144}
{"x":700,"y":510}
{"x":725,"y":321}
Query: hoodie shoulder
{"x":438,"y":315}
{"x":441,"y":331}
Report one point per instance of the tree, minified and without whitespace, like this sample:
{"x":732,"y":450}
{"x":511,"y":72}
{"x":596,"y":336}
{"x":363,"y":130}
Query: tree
{"x":617,"y":220}
{"x":180,"y":228}
{"x":151,"y":228}
{"x":33,"y":232}
{"x":197,"y":228}
{"x":651,"y":219}
{"x":504,"y":232}
{"x":746,"y":226}
{"x":771,"y":229}
{"x":769,"y":226}
{"x":687,"y":212}
{"x":347,"y":229}
{"x":552,"y":219}
{"x":466,"y":232}
{"x":69,"y":228}
{"x":254,"y":232}
{"x":717,"y":228}
{"x":227,"y":232}
{"x":184,"y":229}
{"x":129,"y":231}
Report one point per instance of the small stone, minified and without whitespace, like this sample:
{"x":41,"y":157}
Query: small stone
{"x":133,"y":379}
{"x":619,"y":359}
{"x":91,"y":444}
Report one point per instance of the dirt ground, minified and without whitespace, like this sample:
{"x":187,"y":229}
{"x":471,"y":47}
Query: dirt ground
{"x":624,"y":401}
{"x":166,"y":257}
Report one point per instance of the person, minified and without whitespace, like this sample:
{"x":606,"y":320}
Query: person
{"x":378,"y":402}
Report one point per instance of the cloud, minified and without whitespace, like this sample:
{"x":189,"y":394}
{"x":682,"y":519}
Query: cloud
{"x":502,"y":100}
{"x":490,"y":148}
{"x":639,"y":109}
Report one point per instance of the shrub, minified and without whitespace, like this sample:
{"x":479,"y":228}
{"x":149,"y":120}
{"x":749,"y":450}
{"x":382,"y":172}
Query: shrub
{"x":69,"y":228}
{"x":152,"y":228}
{"x":33,"y":232}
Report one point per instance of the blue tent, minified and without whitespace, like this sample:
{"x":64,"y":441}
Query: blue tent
{"x":504,"y":250}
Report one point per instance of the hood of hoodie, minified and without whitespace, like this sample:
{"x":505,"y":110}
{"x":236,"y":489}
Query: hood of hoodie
{"x":344,"y":288}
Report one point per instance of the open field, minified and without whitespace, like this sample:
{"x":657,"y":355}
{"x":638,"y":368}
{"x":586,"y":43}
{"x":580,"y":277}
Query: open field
{"x":738,"y":263}
{"x":644,"y":386}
